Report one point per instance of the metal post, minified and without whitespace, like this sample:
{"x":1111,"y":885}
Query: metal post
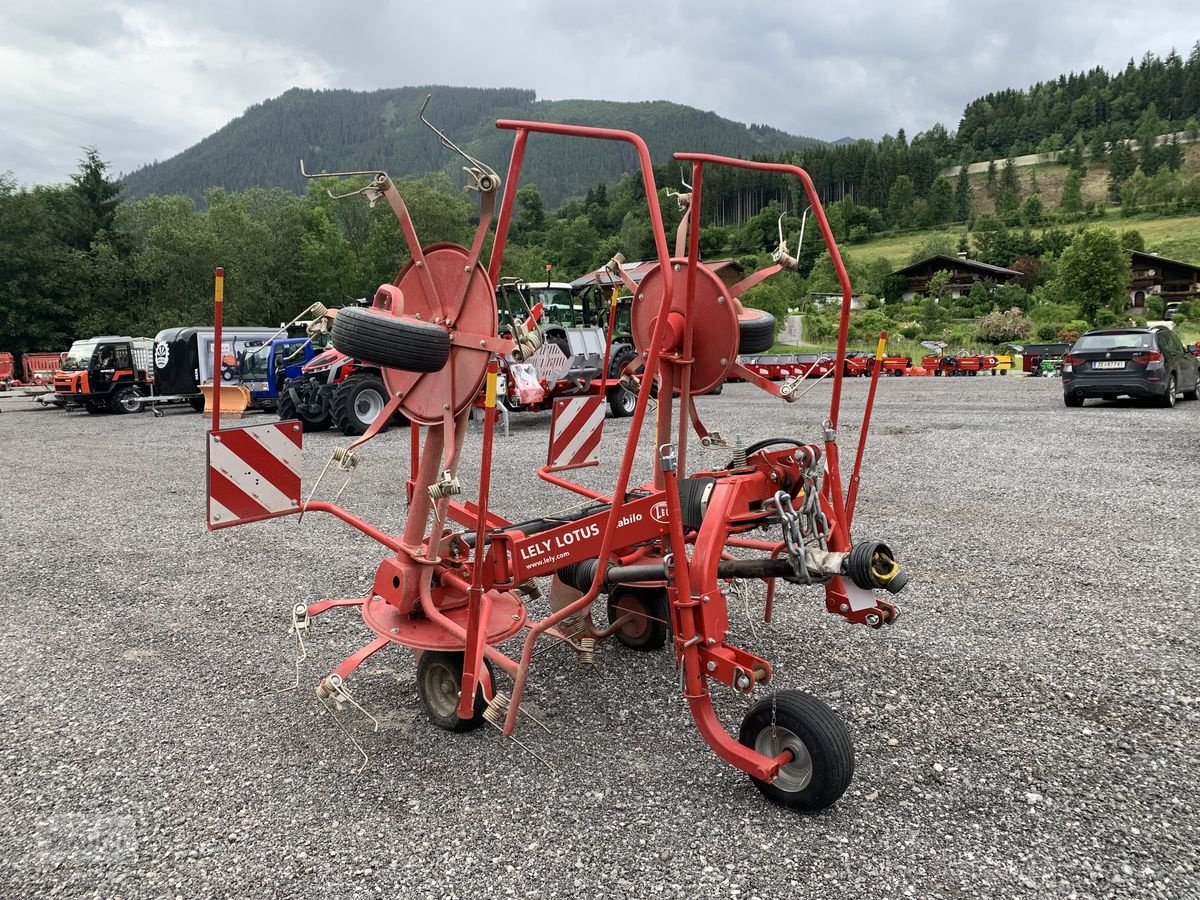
{"x":218,"y":315}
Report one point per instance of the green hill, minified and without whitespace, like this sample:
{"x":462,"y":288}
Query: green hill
{"x":341,"y":130}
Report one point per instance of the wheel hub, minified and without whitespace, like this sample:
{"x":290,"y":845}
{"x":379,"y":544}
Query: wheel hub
{"x":795,"y":775}
{"x":441,"y":689}
{"x":367,"y":406}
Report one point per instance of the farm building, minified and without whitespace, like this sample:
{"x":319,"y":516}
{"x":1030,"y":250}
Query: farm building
{"x":1170,"y":279}
{"x":964,"y":273}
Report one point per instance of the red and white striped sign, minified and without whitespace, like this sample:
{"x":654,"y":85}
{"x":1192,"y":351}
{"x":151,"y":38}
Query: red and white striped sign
{"x":575,"y":430}
{"x":253,"y":473}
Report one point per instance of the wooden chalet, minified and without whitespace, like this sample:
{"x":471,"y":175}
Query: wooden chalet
{"x":964,"y":273}
{"x":1170,"y":279}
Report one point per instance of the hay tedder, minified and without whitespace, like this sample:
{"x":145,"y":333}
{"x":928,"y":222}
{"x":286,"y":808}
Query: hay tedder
{"x":458,"y":587}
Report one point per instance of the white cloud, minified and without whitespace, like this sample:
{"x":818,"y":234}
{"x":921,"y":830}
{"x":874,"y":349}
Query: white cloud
{"x":145,"y":82}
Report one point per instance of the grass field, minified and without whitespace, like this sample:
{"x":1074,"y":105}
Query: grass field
{"x":1176,"y":237}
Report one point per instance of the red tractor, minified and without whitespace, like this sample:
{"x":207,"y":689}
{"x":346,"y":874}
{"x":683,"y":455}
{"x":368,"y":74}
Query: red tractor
{"x":334,"y":390}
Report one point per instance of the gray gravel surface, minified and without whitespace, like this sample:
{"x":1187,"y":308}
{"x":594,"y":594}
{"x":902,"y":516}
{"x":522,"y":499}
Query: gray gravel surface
{"x":1030,"y":726}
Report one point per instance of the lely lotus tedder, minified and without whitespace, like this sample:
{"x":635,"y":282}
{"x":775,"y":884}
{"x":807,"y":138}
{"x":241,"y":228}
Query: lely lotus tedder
{"x":461,"y":580}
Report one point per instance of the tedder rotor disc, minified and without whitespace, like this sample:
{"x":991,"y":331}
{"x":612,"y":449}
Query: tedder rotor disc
{"x":711,"y":315}
{"x":427,"y":394}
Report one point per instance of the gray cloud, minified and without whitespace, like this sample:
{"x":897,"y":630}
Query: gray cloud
{"x":145,"y":81}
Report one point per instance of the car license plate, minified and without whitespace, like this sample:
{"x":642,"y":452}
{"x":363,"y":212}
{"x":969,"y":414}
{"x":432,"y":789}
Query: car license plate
{"x":1108,"y":364}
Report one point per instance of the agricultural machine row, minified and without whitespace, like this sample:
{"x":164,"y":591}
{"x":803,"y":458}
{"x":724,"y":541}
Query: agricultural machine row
{"x":665,"y":548}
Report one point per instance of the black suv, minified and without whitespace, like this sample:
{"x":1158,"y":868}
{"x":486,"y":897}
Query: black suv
{"x":1133,"y":362}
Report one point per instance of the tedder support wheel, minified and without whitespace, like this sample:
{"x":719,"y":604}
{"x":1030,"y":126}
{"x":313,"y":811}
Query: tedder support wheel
{"x":756,"y":331}
{"x":308,"y":422}
{"x":650,"y":625}
{"x":357,"y":402}
{"x":126,"y":400}
{"x":94,"y":407}
{"x":439,"y":677}
{"x":822,"y":756}
{"x":622,"y":401}
{"x":376,"y":337}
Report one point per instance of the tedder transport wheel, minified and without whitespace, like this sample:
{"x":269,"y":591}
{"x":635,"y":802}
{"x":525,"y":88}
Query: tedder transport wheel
{"x":622,"y":401}
{"x":357,"y":402}
{"x":95,"y":407}
{"x":823,"y":758}
{"x":308,"y":422}
{"x":756,"y":331}
{"x":126,"y":400}
{"x":649,"y":627}
{"x":439,"y":677}
{"x":397,"y":343}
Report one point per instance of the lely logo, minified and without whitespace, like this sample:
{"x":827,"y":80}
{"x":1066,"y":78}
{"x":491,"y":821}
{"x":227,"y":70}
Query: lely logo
{"x":658,"y":512}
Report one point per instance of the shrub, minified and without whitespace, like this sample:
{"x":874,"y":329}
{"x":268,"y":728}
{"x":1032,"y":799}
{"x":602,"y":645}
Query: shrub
{"x":1004,"y":327}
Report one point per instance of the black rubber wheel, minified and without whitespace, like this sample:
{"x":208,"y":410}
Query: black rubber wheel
{"x":439,"y":678}
{"x":1072,"y":400}
{"x":95,"y":407}
{"x":823,"y":763}
{"x":376,"y":338}
{"x":650,"y":625}
{"x":126,"y":400}
{"x":197,"y":403}
{"x":620,"y":359}
{"x":621,"y":401}
{"x":309,"y":421}
{"x":1193,"y":394}
{"x":357,"y":402}
{"x":1167,"y":400}
{"x":756,"y":331}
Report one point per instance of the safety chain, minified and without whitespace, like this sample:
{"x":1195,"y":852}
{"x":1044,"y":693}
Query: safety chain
{"x":808,"y":524}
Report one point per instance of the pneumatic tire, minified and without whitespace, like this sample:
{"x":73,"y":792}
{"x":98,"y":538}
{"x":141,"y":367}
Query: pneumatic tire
{"x":309,"y":422}
{"x":823,"y":757}
{"x":126,"y":400}
{"x":404,"y":344}
{"x":756,"y":331}
{"x":357,"y":402}
{"x":650,"y":616}
{"x":439,"y":677}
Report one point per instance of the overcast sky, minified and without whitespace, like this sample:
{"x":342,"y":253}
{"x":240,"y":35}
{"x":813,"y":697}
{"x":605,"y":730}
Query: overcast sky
{"x":145,"y":80}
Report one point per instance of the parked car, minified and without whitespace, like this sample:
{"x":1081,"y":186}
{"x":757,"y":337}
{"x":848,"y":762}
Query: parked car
{"x":1149,"y":363}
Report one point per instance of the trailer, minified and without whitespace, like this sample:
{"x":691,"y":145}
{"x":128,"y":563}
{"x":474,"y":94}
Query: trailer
{"x":457,"y":587}
{"x":120,"y":374}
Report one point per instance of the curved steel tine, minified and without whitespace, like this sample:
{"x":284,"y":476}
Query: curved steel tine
{"x":375,"y":173}
{"x":453,"y":147}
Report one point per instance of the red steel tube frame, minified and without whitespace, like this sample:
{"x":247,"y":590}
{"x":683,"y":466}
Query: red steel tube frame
{"x":660,"y":242}
{"x":810,"y":191}
{"x":852,"y":490}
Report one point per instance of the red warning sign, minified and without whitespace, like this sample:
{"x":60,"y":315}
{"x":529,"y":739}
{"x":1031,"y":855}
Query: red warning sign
{"x":253,"y":473}
{"x":575,"y":430}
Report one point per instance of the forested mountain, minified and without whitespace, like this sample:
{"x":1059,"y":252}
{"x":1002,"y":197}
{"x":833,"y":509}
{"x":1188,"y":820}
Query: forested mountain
{"x":341,"y":130}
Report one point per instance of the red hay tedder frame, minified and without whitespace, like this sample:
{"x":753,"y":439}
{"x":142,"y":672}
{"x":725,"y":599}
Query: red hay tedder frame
{"x":452,"y":595}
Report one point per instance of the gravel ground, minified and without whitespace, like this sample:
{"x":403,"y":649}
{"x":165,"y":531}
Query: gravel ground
{"x":1030,"y":726}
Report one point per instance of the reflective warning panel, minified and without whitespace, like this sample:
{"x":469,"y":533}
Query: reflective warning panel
{"x":253,"y":473}
{"x":575,"y":430}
